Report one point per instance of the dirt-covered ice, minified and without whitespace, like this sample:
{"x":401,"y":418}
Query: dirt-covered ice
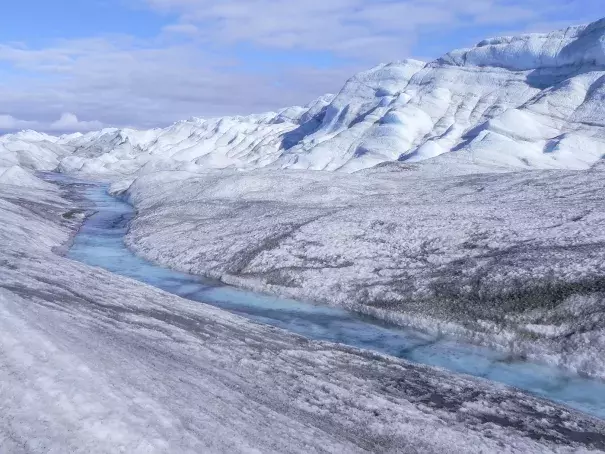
{"x":511,"y":259}
{"x":94,"y":362}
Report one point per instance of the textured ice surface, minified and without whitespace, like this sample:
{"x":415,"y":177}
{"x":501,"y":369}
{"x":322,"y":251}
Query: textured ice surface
{"x":100,"y":242}
{"x":514,"y":259}
{"x":530,"y":101}
{"x":93,"y":362}
{"x":17,"y":176}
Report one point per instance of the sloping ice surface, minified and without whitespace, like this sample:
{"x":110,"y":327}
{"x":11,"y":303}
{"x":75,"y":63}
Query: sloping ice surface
{"x":100,"y":243}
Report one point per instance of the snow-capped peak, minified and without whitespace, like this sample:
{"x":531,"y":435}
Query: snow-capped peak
{"x":574,"y":46}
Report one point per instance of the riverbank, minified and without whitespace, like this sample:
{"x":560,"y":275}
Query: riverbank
{"x":100,"y":242}
{"x":95,"y":362}
{"x":512,"y":261}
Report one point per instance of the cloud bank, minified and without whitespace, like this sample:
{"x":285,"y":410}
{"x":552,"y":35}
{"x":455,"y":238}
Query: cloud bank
{"x":68,"y":122}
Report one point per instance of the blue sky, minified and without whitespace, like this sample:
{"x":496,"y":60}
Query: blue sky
{"x":84,"y":64}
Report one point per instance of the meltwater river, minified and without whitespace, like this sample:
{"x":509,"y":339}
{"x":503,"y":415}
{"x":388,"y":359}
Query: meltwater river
{"x":100,"y":242}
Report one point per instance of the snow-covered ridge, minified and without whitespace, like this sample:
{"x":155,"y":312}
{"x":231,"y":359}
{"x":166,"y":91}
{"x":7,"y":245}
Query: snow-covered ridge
{"x":574,"y":46}
{"x":530,"y":101}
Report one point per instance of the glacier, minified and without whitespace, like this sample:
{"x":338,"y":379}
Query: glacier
{"x":461,"y":196}
{"x":525,"y":102}
{"x":93,"y":362}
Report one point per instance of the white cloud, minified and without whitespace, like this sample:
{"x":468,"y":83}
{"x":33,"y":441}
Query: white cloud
{"x":68,"y":122}
{"x":10,"y":123}
{"x":192,"y":67}
{"x":338,"y":25}
{"x":126,"y":82}
{"x":185,"y":29}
